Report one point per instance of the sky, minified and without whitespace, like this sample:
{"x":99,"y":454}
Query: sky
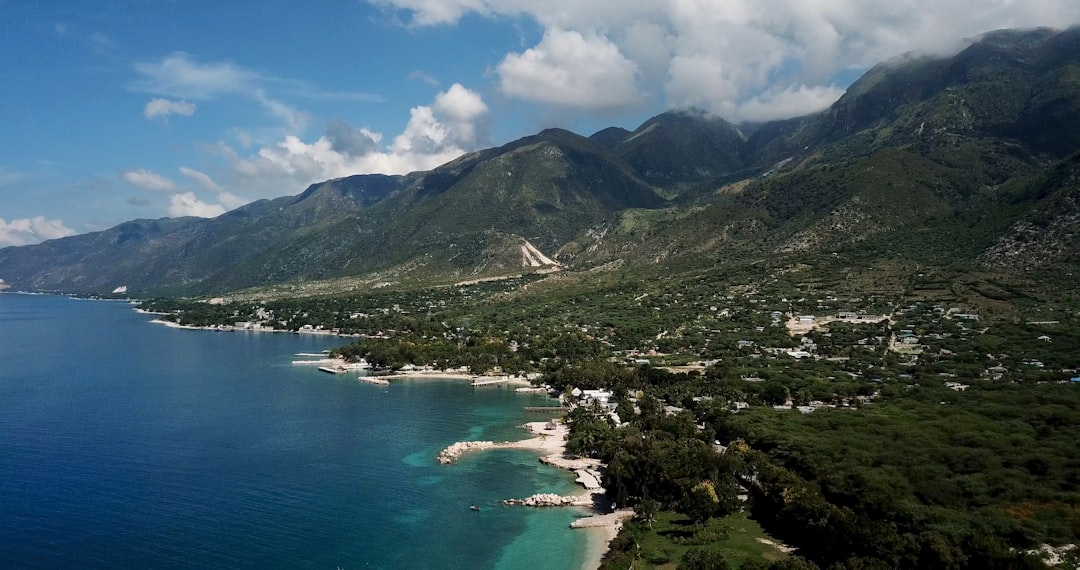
{"x":121,"y":109}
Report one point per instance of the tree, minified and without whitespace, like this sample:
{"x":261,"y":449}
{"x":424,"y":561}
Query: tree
{"x":774,"y":393}
{"x":646,"y":510}
{"x":702,"y":503}
{"x":703,"y":559}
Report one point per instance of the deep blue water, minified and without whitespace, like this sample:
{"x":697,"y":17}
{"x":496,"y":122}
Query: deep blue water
{"x":130,"y":444}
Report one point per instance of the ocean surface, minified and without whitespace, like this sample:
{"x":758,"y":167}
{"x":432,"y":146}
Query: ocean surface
{"x":126,"y":444}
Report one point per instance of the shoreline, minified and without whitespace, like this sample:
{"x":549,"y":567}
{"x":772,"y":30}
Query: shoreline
{"x":230,"y":328}
{"x":602,"y":526}
{"x":477,"y":380}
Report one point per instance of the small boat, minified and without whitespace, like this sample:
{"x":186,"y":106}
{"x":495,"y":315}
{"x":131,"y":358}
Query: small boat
{"x":474,"y":508}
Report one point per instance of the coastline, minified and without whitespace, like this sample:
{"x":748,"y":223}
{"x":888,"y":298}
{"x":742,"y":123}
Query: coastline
{"x":550,"y":442}
{"x":229,"y":328}
{"x":477,"y":380}
{"x":600,"y":528}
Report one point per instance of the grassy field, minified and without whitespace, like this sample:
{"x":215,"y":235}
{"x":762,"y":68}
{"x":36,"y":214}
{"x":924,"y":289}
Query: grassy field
{"x":739,"y":539}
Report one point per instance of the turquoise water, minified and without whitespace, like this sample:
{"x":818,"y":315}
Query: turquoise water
{"x":129,"y":444}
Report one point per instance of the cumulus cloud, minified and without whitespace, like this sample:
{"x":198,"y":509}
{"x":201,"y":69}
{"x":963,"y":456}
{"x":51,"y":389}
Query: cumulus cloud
{"x":744,"y":59}
{"x":456,"y":122}
{"x":183,"y":201}
{"x":346,"y":139}
{"x":26,"y":231}
{"x":568,"y":68}
{"x":160,"y":107}
{"x":187,"y":204}
{"x":148,"y":180}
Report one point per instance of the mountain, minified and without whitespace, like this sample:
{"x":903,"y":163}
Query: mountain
{"x":676,"y":150}
{"x":459,"y":220}
{"x":969,"y":159}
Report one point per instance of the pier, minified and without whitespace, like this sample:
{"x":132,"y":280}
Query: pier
{"x":546,"y":409}
{"x":489,"y":381}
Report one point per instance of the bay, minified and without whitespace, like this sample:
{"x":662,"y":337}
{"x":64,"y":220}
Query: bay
{"x":129,"y":444}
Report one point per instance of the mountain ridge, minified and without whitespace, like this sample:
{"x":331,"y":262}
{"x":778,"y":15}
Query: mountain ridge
{"x":973,"y":146}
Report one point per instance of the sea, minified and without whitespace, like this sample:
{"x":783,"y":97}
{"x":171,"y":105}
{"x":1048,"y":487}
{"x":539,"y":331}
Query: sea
{"x":128,"y":444}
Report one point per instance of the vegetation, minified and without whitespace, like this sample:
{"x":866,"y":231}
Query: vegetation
{"x":954,"y":450}
{"x":855,"y":331}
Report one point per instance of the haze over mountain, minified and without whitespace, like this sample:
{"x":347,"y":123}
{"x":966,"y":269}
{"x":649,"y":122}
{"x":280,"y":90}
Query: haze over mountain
{"x":969,"y":159}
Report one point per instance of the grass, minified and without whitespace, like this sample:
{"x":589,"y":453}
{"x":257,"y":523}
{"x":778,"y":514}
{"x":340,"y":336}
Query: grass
{"x":665,"y":545}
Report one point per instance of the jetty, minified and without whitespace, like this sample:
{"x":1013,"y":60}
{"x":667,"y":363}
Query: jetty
{"x":531,"y":390}
{"x":374,"y":380}
{"x":546,"y":409}
{"x":455,"y":451}
{"x":319,"y":362}
{"x":489,"y":381}
{"x":552,"y":500}
{"x":330,"y":370}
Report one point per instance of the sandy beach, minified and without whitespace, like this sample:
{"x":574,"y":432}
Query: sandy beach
{"x":550,"y":443}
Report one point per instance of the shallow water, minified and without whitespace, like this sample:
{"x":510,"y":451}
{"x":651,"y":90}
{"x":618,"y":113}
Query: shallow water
{"x":130,"y":444}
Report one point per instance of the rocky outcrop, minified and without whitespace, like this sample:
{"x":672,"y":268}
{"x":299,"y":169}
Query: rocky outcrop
{"x":551,"y":500}
{"x":455,"y":451}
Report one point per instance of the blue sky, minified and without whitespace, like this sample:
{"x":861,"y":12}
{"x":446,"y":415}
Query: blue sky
{"x":121,"y":109}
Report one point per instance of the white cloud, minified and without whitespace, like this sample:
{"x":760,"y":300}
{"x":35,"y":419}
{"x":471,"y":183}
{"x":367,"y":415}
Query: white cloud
{"x":461,"y":108}
{"x":227,"y":199}
{"x":177,"y":75}
{"x":161,"y":107}
{"x":201,"y":178}
{"x":183,"y":201}
{"x":790,"y":102}
{"x":149,"y":180}
{"x":180,"y":76}
{"x":296,"y":119}
{"x":25,"y":231}
{"x":430,"y":12}
{"x":455,"y":123}
{"x":570,"y":69}
{"x":424,"y":77}
{"x":732,"y":57}
{"x":186,"y":204}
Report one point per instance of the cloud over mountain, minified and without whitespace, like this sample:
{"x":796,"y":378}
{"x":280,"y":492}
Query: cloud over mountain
{"x":741,"y":59}
{"x":27,"y":231}
{"x":456,"y":122}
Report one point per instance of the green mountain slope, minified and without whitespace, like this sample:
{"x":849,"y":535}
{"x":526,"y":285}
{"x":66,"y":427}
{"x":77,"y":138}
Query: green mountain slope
{"x":968,"y":159}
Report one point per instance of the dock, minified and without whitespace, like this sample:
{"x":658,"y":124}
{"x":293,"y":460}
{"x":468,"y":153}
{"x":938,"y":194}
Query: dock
{"x":547,"y":409}
{"x":329,"y":370}
{"x":489,"y":381}
{"x":321,"y":361}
